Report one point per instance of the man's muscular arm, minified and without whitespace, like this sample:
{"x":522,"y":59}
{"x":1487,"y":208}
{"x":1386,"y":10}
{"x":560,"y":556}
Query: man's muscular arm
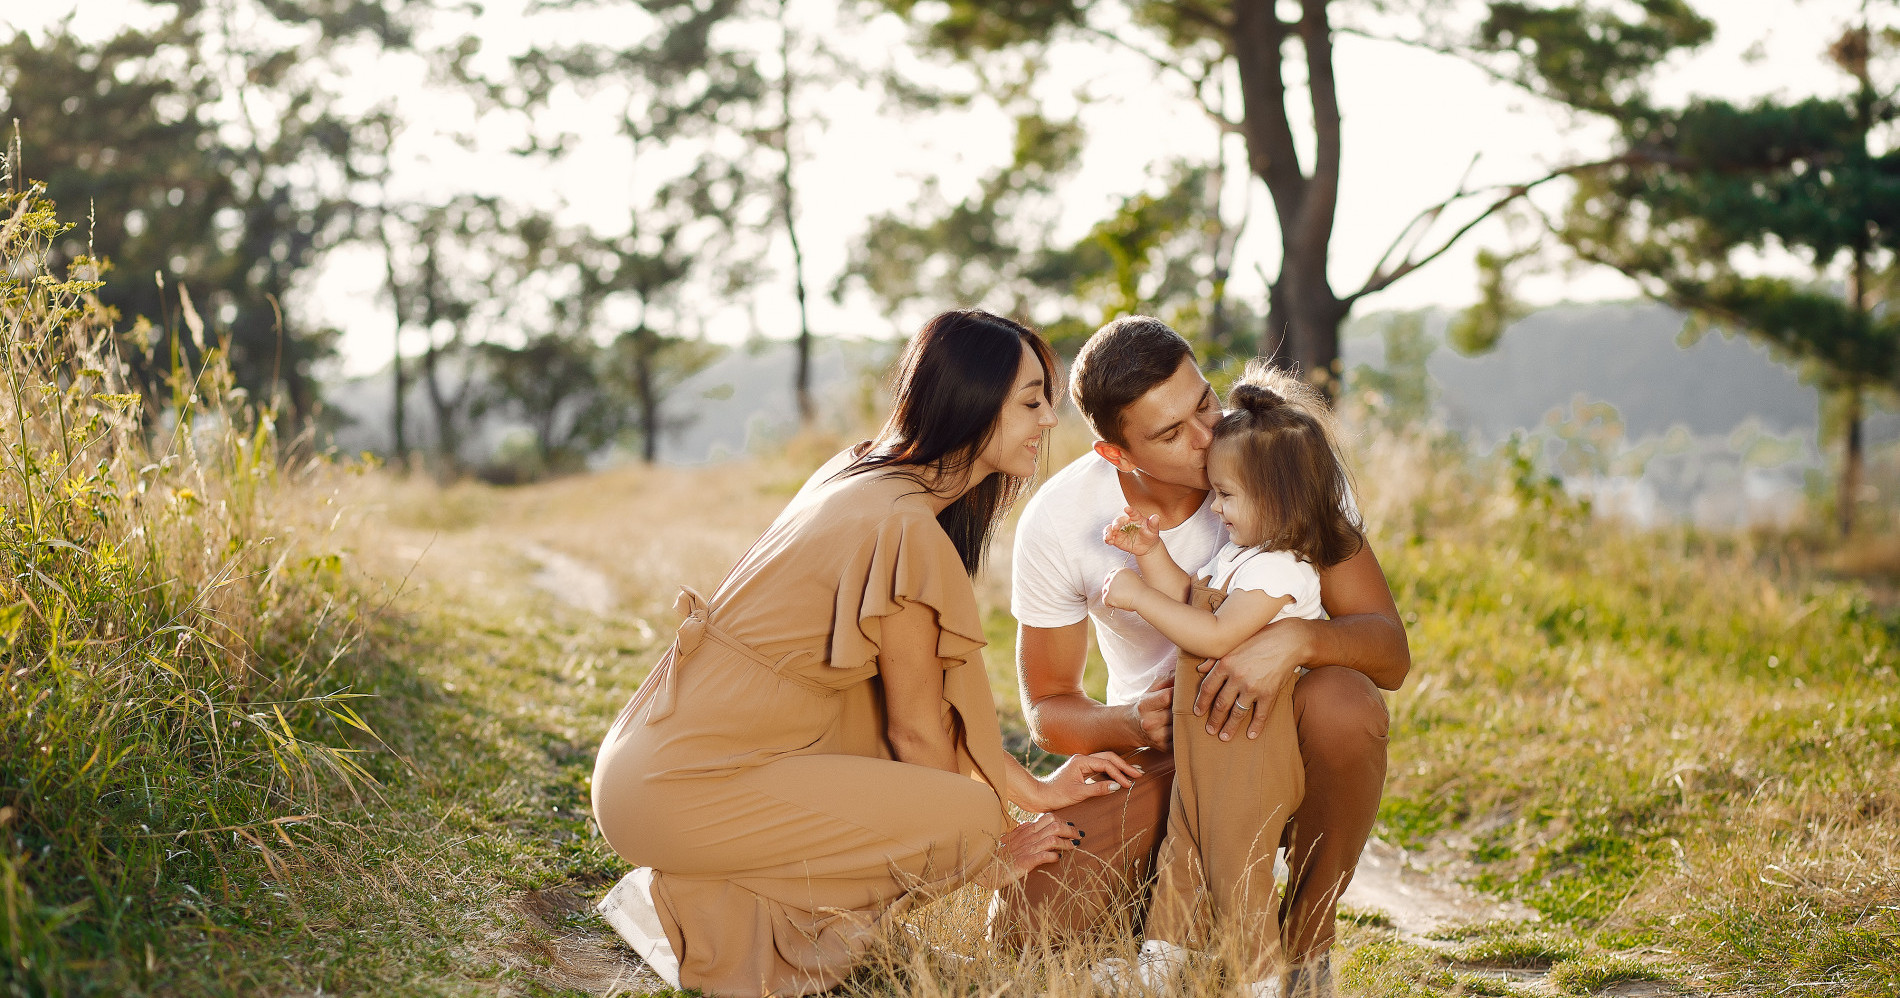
{"x":1365,"y":634}
{"x":1065,"y":720}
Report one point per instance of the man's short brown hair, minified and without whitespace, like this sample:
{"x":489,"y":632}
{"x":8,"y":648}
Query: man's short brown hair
{"x":1118,"y":365}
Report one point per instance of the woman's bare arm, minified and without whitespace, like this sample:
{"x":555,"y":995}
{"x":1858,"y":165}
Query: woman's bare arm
{"x":917,"y":724}
{"x":920,"y":732}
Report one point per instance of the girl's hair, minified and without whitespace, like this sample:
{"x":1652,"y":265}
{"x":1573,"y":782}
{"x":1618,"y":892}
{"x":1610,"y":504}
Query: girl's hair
{"x":952,"y":382}
{"x":1290,"y":465}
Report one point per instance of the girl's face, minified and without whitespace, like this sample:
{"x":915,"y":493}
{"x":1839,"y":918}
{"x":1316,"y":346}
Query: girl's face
{"x":1235,"y":508}
{"x":1016,"y":439}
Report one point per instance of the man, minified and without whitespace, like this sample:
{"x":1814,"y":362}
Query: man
{"x":1153,"y":414}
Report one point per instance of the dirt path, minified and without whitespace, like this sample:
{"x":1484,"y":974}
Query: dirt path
{"x":1421,"y":898}
{"x":569,"y":579}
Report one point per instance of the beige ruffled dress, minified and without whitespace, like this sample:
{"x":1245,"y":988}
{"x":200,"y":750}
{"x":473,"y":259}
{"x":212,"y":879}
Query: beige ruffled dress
{"x":751,"y":768}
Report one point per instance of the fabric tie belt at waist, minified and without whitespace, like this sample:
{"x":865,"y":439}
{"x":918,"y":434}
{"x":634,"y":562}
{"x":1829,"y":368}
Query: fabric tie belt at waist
{"x":661,"y":686}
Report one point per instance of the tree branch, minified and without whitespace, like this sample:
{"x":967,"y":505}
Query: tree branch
{"x":1322,"y":194}
{"x":1197,"y":85}
{"x":1451,"y":52}
{"x":1193,"y":13}
{"x":1505,"y":195}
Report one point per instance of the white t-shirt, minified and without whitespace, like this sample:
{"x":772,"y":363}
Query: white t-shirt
{"x":1276,"y":573}
{"x":1060,"y":561}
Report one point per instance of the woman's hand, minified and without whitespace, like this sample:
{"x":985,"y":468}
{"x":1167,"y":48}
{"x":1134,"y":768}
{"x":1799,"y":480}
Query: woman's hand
{"x":1032,"y":844}
{"x":1083,"y":777}
{"x":1134,"y":533}
{"x":1122,"y":588}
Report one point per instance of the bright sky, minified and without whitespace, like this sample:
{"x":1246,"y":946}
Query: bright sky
{"x":1413,"y":122}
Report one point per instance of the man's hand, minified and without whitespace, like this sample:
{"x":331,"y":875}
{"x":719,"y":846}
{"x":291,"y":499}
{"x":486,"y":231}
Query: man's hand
{"x":1156,"y":709}
{"x":1253,"y":675}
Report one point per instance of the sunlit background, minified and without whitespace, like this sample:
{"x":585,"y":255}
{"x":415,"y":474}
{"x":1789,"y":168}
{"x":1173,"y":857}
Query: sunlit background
{"x":885,"y":128}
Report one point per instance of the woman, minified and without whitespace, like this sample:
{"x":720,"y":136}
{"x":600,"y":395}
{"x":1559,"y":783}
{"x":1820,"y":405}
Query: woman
{"x":819,"y":748}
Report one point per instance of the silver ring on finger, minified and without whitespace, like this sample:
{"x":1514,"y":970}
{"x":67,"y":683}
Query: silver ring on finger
{"x":1242,"y":706}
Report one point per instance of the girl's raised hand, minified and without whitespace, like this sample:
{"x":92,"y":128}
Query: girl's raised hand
{"x":1133,"y":532}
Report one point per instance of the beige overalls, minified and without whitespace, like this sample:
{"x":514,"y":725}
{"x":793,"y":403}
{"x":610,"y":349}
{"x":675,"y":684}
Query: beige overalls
{"x":1232,"y":799}
{"x":1225,"y":813}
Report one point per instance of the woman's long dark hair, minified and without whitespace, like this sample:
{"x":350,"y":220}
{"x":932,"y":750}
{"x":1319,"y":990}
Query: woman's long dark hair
{"x":951,"y":385}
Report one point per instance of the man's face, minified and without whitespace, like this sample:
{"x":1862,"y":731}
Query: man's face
{"x":1168,"y":429}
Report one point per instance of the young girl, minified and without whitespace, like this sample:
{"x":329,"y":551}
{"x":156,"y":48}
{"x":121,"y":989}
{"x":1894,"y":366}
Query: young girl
{"x":1280,"y":487}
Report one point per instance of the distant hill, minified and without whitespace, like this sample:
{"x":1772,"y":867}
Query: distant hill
{"x":1626,"y":355}
{"x":1729,"y":431}
{"x":741,"y":402}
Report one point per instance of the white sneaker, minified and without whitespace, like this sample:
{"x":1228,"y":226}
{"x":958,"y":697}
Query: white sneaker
{"x":629,"y":909}
{"x":1269,"y":988}
{"x":1157,"y":963}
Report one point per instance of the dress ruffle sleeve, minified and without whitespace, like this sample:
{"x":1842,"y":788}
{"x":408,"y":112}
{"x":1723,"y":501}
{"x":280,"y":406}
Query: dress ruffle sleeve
{"x":910,"y":558}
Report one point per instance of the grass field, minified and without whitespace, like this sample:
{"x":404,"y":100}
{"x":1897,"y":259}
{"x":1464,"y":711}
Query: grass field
{"x":292,"y":727}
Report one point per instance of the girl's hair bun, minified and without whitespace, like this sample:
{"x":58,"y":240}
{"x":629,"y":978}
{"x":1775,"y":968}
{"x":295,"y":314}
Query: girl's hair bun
{"x":1254,"y":398}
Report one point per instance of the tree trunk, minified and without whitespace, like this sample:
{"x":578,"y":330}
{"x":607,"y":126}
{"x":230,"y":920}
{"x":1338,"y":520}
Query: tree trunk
{"x":401,"y":443}
{"x":801,"y":383}
{"x":643,"y":342}
{"x":1303,"y":314}
{"x":448,"y":437}
{"x":1852,"y":462}
{"x":1851,"y":457}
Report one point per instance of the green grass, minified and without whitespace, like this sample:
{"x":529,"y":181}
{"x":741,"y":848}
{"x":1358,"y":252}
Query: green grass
{"x":1640,"y":728}
{"x":1592,"y":974}
{"x":178,"y":701}
{"x":254,"y":739}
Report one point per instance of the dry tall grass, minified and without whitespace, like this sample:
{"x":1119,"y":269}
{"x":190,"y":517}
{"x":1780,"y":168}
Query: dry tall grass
{"x":1679,"y":747}
{"x":173,"y":704}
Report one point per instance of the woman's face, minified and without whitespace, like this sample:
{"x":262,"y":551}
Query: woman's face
{"x":1015,"y":441}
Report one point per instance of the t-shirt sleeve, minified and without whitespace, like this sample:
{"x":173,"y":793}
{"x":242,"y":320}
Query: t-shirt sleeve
{"x":908,"y":558}
{"x":1043,"y":589}
{"x":1277,"y":573}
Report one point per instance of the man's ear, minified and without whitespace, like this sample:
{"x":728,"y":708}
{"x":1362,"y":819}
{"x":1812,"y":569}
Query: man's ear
{"x":1115,"y":455}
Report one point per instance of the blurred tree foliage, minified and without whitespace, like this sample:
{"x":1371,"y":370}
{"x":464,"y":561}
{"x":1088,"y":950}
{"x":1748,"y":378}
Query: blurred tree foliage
{"x":461,"y":273}
{"x":684,"y":92}
{"x":1697,"y":193}
{"x":1400,"y":390}
{"x":1165,"y":252}
{"x":1277,"y":49}
{"x":210,"y":148}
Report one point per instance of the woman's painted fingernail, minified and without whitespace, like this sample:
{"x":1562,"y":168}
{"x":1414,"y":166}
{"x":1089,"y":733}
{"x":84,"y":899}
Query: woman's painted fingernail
{"x":1082,"y":832}
{"x":1138,"y":769}
{"x":1071,"y":824}
{"x":1088,"y":781}
{"x":1076,"y":841}
{"x":1113,"y":786}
